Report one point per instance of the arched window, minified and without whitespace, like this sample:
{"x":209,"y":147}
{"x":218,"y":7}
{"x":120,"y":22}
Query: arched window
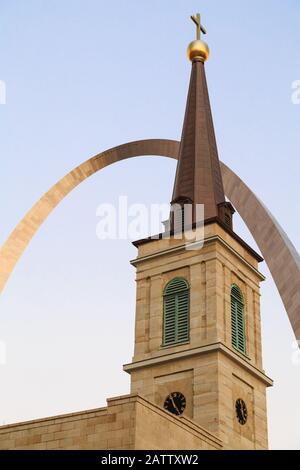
{"x":176,"y":328}
{"x":238,"y":337}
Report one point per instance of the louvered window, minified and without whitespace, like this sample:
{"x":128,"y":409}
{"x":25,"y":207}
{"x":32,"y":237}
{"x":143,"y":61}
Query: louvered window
{"x":176,"y":312}
{"x":237,"y":320}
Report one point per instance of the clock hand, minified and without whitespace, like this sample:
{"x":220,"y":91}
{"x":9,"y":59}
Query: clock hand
{"x":174,"y":405}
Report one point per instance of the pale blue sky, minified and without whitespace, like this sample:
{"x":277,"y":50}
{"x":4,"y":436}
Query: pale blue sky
{"x":86,"y":75}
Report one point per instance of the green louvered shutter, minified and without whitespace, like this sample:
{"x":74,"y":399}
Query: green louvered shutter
{"x":237,"y":320}
{"x":176,"y":312}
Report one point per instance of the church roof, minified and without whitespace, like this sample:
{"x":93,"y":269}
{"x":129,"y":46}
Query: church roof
{"x":198,"y":176}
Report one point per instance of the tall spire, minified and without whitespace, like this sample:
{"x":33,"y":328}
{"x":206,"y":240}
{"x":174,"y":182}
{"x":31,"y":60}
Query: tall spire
{"x":198,"y":177}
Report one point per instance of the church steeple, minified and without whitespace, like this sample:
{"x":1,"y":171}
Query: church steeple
{"x":198,"y":177}
{"x":197,"y":333}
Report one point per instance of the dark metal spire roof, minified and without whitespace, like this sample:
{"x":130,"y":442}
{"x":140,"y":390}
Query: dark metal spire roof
{"x":198,"y":177}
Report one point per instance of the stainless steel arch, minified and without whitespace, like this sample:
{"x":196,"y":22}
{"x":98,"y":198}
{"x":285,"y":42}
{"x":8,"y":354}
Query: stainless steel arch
{"x":279,"y":253}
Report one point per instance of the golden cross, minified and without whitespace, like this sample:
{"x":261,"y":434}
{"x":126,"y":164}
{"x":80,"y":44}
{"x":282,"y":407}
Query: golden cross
{"x":197,"y":20}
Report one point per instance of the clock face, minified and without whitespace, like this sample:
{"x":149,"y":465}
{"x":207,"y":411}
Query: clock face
{"x":175,"y":403}
{"x":241,"y":411}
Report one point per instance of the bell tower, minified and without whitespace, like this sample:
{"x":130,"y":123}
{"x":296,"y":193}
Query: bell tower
{"x":197,"y":346}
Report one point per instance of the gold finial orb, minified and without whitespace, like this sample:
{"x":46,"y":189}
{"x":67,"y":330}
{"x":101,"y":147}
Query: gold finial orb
{"x":198,"y":50}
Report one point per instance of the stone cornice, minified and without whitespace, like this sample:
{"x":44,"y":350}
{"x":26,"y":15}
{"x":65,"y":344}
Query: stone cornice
{"x":182,"y":248}
{"x":211,"y":348}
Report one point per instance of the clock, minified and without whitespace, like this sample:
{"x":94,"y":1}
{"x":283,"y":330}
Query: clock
{"x":241,"y":411}
{"x":175,"y":403}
